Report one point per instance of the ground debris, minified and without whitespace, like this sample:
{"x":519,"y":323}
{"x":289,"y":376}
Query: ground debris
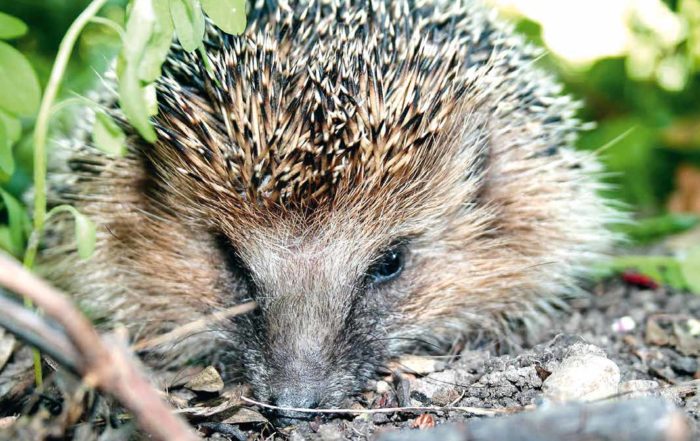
{"x":208,"y":380}
{"x":643,"y":420}
{"x":661,"y":366}
{"x":584,"y":377}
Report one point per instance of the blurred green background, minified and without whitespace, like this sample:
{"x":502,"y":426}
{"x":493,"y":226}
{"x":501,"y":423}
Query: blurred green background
{"x":634,"y":63}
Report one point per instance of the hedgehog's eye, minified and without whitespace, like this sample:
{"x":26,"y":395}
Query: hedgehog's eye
{"x":388,"y":267}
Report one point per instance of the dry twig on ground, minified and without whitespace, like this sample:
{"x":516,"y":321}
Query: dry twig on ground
{"x":110,"y":369}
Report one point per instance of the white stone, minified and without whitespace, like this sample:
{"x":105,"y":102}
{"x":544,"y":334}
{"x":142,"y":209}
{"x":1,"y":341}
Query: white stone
{"x":382,"y":387}
{"x":638,"y":388}
{"x":582,"y":377}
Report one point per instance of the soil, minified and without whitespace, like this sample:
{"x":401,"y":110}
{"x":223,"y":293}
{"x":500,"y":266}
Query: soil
{"x":652,"y":335}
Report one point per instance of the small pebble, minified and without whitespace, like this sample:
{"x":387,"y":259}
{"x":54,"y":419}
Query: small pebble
{"x":415,"y":364}
{"x":330,"y":432}
{"x":623,"y":325}
{"x":380,"y":418}
{"x":582,"y":378}
{"x":685,"y":365}
{"x":638,"y":388}
{"x":382,"y":387}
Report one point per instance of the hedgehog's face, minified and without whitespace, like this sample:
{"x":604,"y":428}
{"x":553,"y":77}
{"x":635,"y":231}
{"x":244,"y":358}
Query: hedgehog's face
{"x":364,"y":201}
{"x":327,"y":295}
{"x":346,"y":268}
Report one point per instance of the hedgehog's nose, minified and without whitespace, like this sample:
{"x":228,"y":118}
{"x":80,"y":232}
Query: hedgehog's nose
{"x":301,"y":398}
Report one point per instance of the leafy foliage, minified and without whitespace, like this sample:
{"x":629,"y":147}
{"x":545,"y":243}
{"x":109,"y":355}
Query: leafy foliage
{"x":144,"y":45}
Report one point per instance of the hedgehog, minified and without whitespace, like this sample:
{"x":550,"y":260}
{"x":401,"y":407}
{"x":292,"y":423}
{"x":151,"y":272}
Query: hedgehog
{"x":380,"y":178}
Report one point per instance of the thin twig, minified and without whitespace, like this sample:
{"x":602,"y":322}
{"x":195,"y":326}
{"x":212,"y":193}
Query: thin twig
{"x":192,"y":327}
{"x":35,"y":331}
{"x":107,"y":367}
{"x":479,"y":411}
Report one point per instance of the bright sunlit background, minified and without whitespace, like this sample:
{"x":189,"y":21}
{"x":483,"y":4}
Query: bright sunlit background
{"x":635,"y":64}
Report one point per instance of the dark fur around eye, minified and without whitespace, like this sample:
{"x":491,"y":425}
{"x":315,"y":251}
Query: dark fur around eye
{"x":234,"y":263}
{"x":388,"y":266}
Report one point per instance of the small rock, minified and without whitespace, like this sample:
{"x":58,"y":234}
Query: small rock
{"x":403,"y":390}
{"x":440,"y":388}
{"x":582,"y":378}
{"x":330,"y":432}
{"x":582,"y":348}
{"x":380,"y":418}
{"x":208,"y":380}
{"x":446,"y":397}
{"x":419,"y":365}
{"x":297,"y":436}
{"x":623,"y":325}
{"x":382,"y":387}
{"x":687,"y":332}
{"x":244,"y":415}
{"x":638,"y":388}
{"x":685,"y":365}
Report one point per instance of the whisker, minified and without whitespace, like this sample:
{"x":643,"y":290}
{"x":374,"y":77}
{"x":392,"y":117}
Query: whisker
{"x":194,"y":326}
{"x":479,"y":411}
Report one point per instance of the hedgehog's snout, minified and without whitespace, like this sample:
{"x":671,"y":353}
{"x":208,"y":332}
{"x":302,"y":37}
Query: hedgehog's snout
{"x":300,"y":394}
{"x":309,"y":355}
{"x":317,"y":334}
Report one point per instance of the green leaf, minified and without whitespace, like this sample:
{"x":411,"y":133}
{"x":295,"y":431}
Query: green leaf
{"x":5,"y":239}
{"x":108,"y":136}
{"x":189,"y":23}
{"x":17,"y":222}
{"x":133,"y":102}
{"x":148,"y":36}
{"x":158,"y":45}
{"x":648,"y":229}
{"x":85,"y":230}
{"x":19,"y":87}
{"x":85,"y":235}
{"x":150,"y":96}
{"x":690,"y":267}
{"x":13,"y":126}
{"x":229,"y":15}
{"x":7,"y":162}
{"x":11,"y":27}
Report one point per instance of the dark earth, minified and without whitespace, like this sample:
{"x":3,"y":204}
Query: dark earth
{"x":651,"y":333}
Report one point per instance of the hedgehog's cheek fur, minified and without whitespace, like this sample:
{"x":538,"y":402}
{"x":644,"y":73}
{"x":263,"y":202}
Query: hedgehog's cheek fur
{"x":305,"y":353}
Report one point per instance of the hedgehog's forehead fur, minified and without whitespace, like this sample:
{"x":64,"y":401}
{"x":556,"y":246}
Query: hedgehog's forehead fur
{"x":326,"y":102}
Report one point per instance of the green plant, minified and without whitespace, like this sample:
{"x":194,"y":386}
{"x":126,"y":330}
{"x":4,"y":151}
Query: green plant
{"x":145,"y":44}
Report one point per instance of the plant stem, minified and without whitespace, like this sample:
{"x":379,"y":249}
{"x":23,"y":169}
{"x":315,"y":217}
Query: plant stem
{"x":111,"y":24}
{"x":40,"y":135}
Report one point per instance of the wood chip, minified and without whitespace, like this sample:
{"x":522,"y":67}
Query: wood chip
{"x":244,"y":416}
{"x":424,"y":421}
{"x":208,"y":380}
{"x":419,"y":365}
{"x":7,"y":421}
